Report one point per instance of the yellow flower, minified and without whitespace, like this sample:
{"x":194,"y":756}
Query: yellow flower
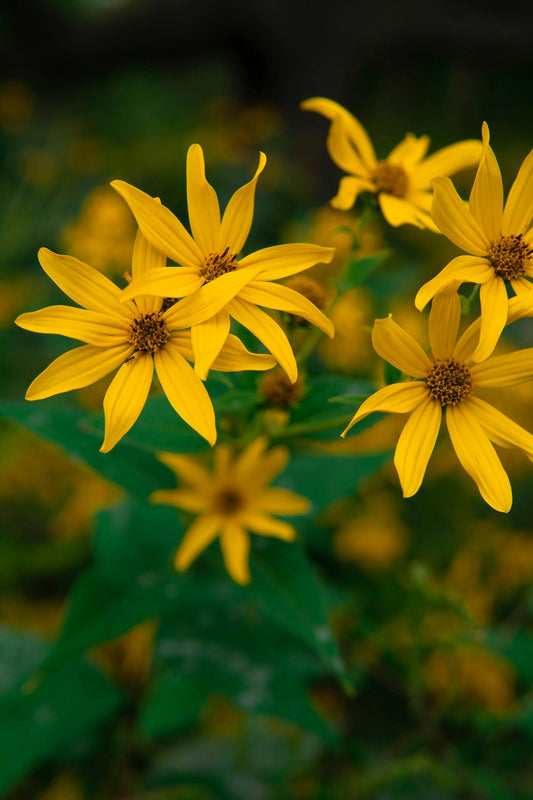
{"x":232,"y":502}
{"x":449,"y":380}
{"x":498,"y":238}
{"x":218,"y":285}
{"x":402,"y":181}
{"x":133,"y":336}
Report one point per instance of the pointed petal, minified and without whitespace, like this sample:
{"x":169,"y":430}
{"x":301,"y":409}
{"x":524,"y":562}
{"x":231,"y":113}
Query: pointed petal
{"x":202,"y":200}
{"x":235,"y":543}
{"x":467,"y":343}
{"x":400,"y":211}
{"x":234,"y":357}
{"x":198,"y":536}
{"x":207,"y":341}
{"x":188,"y":469}
{"x":164,"y":282}
{"x":145,"y":258}
{"x":507,"y":370}
{"x":125,"y":398}
{"x":397,"y":398}
{"x":518,"y":210}
{"x":265,"y":525}
{"x":91,"y":327}
{"x":399,"y":348}
{"x":486,"y":197}
{"x":452,"y":217}
{"x":282,"y":501}
{"x":409,"y":151}
{"x":447,"y":161}
{"x":77,"y":368}
{"x":239,"y":213}
{"x":250,"y":460}
{"x":185,"y":391}
{"x":282,"y":298}
{"x":356,"y":132}
{"x":268,"y":332}
{"x":342,"y":150}
{"x":350,"y":188}
{"x":462,"y":269}
{"x":416,"y":444}
{"x":444,"y":319}
{"x":494,"y":305}
{"x":187,"y":499}
{"x":499,"y":428}
{"x":478,"y":457}
{"x":255,"y":467}
{"x":283,"y":260}
{"x":162,"y":229}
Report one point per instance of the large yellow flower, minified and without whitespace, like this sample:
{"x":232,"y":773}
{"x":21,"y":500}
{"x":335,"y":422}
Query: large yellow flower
{"x":234,"y":501}
{"x":499,"y":240}
{"x":215,"y":283}
{"x":449,"y":381}
{"x":133,"y":336}
{"x":402,"y":181}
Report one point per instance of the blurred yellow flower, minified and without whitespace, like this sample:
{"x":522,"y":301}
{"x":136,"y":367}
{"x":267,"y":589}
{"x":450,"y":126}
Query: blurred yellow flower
{"x":402,"y":181}
{"x":375,"y":538}
{"x":234,"y":501}
{"x":351,"y":349}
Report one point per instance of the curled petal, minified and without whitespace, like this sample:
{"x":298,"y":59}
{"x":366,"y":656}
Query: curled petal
{"x":452,"y":217}
{"x":350,"y":188}
{"x":397,"y":347}
{"x":342,"y":151}
{"x":125,"y":398}
{"x":397,"y":398}
{"x":239,"y":213}
{"x":416,"y":444}
{"x":499,"y":428}
{"x":234,"y":357}
{"x":357,"y":134}
{"x":463,"y":269}
{"x":207,"y":341}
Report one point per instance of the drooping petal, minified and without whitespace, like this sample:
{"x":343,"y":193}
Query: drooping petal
{"x":478,"y":457}
{"x":452,"y":217}
{"x":202,"y":200}
{"x":399,"y":348}
{"x":264,"y":524}
{"x":77,"y":368}
{"x":282,"y":501}
{"x":416,"y":444}
{"x":342,"y":151}
{"x":350,"y":188}
{"x":486,"y":197}
{"x":397,"y":398}
{"x":239,"y":213}
{"x":462,"y":269}
{"x":399,"y":211}
{"x":162,"y":229}
{"x":91,"y":327}
{"x":198,"y":536}
{"x":187,"y":499}
{"x":518,"y":210}
{"x":207,"y":341}
{"x":185,"y":391}
{"x":283,"y":260}
{"x":507,"y":370}
{"x":499,"y":428}
{"x":356,"y":132}
{"x":494,"y":304}
{"x":467,"y":342}
{"x":189,"y":470}
{"x":444,"y":319}
{"x":125,"y":398}
{"x":145,"y":258}
{"x":268,"y":332}
{"x":282,"y":298}
{"x":409,"y":151}
{"x":164,"y":282}
{"x":235,"y":543}
{"x":446,"y":161}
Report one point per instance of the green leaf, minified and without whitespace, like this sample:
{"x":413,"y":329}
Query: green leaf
{"x":22,"y":654}
{"x":174,"y":702}
{"x":391,"y":374}
{"x":358,"y":269}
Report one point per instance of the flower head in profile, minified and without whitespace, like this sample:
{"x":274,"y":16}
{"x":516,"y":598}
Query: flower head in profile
{"x":231,"y":503}
{"x":217,"y":284}
{"x":497,"y":237}
{"x":402,"y":181}
{"x":448,"y":382}
{"x":133,"y":337}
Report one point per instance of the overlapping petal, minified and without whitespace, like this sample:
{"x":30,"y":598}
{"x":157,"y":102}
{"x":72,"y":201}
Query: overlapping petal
{"x":164,"y":282}
{"x":499,"y":428}
{"x":397,"y":398}
{"x":397,"y":347}
{"x":208,"y":338}
{"x":452,"y":217}
{"x":486,"y":198}
{"x":284,"y":260}
{"x":507,"y":370}
{"x":462,"y":269}
{"x":416,"y":444}
{"x":494,"y":305}
{"x":125,"y":398}
{"x":282,"y":298}
{"x":444,"y":319}
{"x":238,"y":216}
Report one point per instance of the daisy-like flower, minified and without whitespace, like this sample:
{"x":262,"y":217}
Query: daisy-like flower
{"x":134,"y":337}
{"x":498,"y":238}
{"x":214,"y":281}
{"x":233,"y":502}
{"x":402,"y":181}
{"x":448,"y":381}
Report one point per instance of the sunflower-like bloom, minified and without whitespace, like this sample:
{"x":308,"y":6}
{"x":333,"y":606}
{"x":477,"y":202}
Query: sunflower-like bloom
{"x":498,"y":238}
{"x":449,"y":381}
{"x":231,"y":503}
{"x":215,"y":283}
{"x":133,"y":336}
{"x":402,"y":181}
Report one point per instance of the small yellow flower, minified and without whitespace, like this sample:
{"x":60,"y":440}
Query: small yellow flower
{"x":449,"y":381}
{"x":217,"y":285}
{"x":498,"y":238}
{"x":402,"y":181}
{"x":234,"y":501}
{"x":133,"y":336}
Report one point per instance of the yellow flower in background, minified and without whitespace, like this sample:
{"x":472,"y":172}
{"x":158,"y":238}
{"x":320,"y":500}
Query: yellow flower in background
{"x":498,"y":238}
{"x":215,"y":284}
{"x":448,"y":382}
{"x":375,"y":537}
{"x":402,"y":181}
{"x":134,"y":337}
{"x":233,"y":502}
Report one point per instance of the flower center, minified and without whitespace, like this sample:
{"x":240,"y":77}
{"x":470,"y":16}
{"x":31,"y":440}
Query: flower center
{"x":510,"y":256}
{"x":227,"y":501}
{"x":217,"y":264}
{"x":148,"y":332}
{"x":390,"y":178}
{"x":278,"y":390}
{"x":449,"y":381}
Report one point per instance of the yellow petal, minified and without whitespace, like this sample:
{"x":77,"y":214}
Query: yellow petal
{"x":518,"y":210}
{"x":282,"y":298}
{"x":452,"y":217}
{"x":164,"y":282}
{"x":499,"y":428}
{"x":77,"y":368}
{"x":272,"y":463}
{"x":399,"y":348}
{"x":507,"y":370}
{"x":399,"y":211}
{"x":234,"y":357}
{"x":146,"y":257}
{"x":356,"y":132}
{"x":250,"y":459}
{"x":486,"y":197}
{"x":235,"y":544}
{"x":207,"y":341}
{"x":520,"y":307}
{"x":283,"y":260}
{"x":198,"y":536}
{"x":202,"y":200}
{"x":416,"y":444}
{"x":342,"y":150}
{"x":265,"y":525}
{"x":521,"y":285}
{"x":268,"y":332}
{"x":188,"y":469}
{"x":478,"y":457}
{"x":446,"y":161}
{"x":239,"y":213}
{"x":409,"y":151}
{"x":494,"y":304}
{"x":162,"y":229}
{"x":467,"y":343}
{"x":91,"y":327}
{"x":397,"y":398}
{"x":282,"y":501}
{"x":462,"y":269}
{"x":185,"y":391}
{"x":125,"y":398}
{"x":444,"y":319}
{"x":187,"y":499}
{"x":350,"y":188}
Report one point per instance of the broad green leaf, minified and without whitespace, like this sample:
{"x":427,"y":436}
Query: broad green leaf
{"x":174,"y":702}
{"x":22,"y":654}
